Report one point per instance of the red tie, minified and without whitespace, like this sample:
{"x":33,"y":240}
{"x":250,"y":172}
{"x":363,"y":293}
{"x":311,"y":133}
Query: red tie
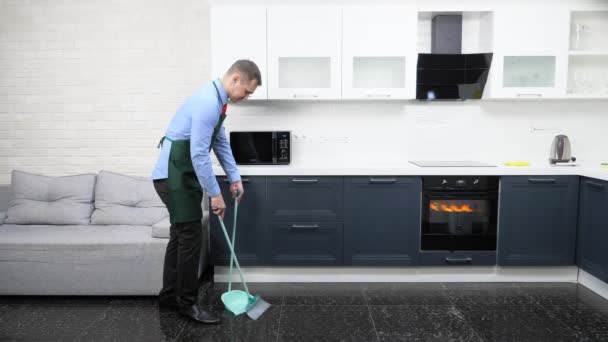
{"x":224,"y":109}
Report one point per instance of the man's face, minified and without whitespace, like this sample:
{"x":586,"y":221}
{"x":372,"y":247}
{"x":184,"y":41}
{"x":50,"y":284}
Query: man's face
{"x":241,"y":88}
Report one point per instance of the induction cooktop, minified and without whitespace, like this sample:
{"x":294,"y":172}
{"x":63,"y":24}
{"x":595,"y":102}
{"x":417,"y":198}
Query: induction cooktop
{"x":450,"y":163}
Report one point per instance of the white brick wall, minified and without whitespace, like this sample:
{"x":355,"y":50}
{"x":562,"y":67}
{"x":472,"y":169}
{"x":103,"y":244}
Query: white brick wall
{"x":90,"y":85}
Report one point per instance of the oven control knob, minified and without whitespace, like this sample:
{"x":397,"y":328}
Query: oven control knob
{"x":444,"y":182}
{"x":476,"y":182}
{"x":461,"y":182}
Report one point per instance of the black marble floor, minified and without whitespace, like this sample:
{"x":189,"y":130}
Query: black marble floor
{"x":327,"y":312}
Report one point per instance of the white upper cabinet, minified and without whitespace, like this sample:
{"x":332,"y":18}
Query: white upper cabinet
{"x":304,"y":47}
{"x":531,"y":50}
{"x":239,"y":32}
{"x":379,"y":52}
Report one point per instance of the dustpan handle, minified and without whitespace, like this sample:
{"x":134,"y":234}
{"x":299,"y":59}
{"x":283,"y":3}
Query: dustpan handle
{"x":233,"y":255}
{"x":236,"y":206}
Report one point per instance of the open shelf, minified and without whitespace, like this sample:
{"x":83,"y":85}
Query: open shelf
{"x":588,"y":53}
{"x":587,"y":76}
{"x":589,"y":31}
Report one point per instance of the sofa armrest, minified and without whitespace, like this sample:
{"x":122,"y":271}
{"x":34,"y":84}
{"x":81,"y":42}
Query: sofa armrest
{"x":2,"y":217}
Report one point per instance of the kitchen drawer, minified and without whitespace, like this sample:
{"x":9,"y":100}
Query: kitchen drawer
{"x":457,"y":258}
{"x":305,"y":198}
{"x":529,"y":181}
{"x":305,"y":244}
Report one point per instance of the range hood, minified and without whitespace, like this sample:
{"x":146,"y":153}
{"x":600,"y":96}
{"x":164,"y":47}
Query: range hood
{"x":452,"y":76}
{"x":446,"y":73}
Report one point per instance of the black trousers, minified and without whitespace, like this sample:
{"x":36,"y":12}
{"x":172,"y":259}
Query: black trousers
{"x":180,"y":272}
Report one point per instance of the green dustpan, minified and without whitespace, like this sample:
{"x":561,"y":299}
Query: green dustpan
{"x":237,"y":301}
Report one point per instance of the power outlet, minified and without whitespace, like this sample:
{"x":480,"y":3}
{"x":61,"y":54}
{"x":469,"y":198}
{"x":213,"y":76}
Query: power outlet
{"x":538,"y":129}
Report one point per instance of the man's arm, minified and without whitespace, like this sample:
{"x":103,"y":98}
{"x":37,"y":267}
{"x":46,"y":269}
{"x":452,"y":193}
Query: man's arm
{"x":222,"y":150}
{"x":201,"y":131}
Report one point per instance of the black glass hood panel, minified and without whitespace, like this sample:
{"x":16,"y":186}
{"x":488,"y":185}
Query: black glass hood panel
{"x":452,"y":76}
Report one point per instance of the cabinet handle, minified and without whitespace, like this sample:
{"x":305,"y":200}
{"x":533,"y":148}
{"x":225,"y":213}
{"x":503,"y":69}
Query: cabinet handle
{"x":595,"y":185}
{"x":295,"y":180}
{"x":304,"y":227}
{"x":295,"y":96}
{"x":529,"y":95}
{"x":243,"y":180}
{"x":449,"y":260}
{"x":541,"y":180}
{"x":378,"y":95}
{"x":382,"y":180}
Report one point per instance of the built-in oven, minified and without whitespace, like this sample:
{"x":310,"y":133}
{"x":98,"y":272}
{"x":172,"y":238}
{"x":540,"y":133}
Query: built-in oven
{"x":459,"y":219}
{"x":261,"y":147}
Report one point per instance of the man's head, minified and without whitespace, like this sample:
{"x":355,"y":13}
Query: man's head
{"x":241,"y":80}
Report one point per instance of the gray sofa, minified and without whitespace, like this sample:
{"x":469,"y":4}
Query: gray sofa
{"x":91,"y":234}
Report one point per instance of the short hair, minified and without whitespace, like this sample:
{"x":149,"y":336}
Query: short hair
{"x":247,"y":68}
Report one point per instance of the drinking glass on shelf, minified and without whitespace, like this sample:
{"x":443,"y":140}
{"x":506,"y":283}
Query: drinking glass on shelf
{"x":585,"y":83}
{"x":582,"y":32}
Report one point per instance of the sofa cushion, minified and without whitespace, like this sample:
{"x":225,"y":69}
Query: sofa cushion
{"x":126,"y":200}
{"x":37,"y":199}
{"x":80,"y":260}
{"x":52,"y":236}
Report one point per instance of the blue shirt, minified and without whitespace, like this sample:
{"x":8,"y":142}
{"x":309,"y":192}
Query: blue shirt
{"x":195,"y":120}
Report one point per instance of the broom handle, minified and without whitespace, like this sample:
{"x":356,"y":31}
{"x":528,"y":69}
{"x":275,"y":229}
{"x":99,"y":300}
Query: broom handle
{"x":236,"y":261}
{"x":236,"y":206}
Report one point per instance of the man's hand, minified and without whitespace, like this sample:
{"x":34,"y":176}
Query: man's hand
{"x":237,"y":187}
{"x":218,"y":206}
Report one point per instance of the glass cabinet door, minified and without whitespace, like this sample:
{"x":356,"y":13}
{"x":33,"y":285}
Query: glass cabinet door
{"x":529,"y":71}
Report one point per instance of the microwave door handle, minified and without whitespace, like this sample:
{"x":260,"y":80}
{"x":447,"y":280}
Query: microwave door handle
{"x":274,"y":147}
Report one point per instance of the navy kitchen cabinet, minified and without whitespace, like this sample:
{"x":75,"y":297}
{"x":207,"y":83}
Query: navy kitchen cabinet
{"x":305,"y":198}
{"x":306,"y":244}
{"x":252,"y":225}
{"x":382,"y":220}
{"x":305,"y":221}
{"x":593,"y":227}
{"x":537,"y":220}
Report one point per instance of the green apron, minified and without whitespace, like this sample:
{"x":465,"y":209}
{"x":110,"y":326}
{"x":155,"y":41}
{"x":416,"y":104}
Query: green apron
{"x":185,"y":192}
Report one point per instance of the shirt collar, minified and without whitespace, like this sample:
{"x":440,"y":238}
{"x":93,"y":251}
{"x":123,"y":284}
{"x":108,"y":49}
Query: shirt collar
{"x":220,"y":88}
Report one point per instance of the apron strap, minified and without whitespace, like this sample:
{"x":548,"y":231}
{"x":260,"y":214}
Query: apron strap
{"x":217,"y":127}
{"x":160,"y":143}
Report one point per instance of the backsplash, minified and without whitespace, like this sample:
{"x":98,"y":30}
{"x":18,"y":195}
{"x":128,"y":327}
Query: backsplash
{"x":363,"y":132}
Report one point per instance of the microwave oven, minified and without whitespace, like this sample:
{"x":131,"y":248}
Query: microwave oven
{"x":261,"y":147}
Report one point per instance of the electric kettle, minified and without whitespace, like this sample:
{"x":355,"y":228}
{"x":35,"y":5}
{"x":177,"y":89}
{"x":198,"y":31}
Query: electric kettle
{"x":560,"y":150}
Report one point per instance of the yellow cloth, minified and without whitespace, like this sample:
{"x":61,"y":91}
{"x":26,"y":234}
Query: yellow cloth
{"x":517,"y":163}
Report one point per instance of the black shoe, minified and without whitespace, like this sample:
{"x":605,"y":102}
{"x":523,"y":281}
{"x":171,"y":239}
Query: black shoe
{"x":196,"y":313}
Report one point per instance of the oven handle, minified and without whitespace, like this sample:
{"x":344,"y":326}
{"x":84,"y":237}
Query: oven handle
{"x":455,"y":195}
{"x":458,"y":261}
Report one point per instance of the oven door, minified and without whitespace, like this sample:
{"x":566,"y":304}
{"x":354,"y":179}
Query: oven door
{"x":456,"y":221}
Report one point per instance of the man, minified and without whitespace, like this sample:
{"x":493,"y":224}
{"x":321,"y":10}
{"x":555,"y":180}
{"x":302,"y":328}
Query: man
{"x":184,"y":169}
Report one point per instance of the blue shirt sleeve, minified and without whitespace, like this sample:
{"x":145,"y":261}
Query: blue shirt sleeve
{"x":201,"y":130}
{"x":222,"y":150}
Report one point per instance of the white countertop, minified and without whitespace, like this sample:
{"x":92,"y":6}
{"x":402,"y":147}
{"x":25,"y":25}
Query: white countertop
{"x":406,"y":169}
